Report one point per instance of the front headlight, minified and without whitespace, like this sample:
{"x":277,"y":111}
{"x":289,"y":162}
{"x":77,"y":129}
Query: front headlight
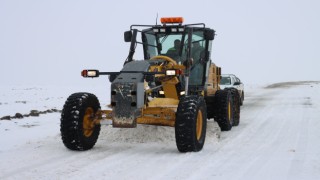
{"x":170,"y":72}
{"x":174,"y":72}
{"x":90,"y":73}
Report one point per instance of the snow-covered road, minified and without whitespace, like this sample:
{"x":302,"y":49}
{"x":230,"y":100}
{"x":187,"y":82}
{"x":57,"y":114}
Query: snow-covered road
{"x":278,"y":138}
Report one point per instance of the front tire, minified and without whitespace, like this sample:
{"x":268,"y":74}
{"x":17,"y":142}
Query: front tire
{"x":191,"y":124}
{"x":78,"y":131}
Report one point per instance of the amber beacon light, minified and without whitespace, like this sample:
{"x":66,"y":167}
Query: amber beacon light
{"x":165,"y":20}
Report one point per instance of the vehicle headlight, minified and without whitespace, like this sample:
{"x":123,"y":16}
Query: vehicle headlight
{"x":90,"y":73}
{"x":170,"y":72}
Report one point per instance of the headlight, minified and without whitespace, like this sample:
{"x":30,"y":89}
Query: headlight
{"x":174,"y":30}
{"x":181,"y":29}
{"x":171,"y":72}
{"x":90,"y":73}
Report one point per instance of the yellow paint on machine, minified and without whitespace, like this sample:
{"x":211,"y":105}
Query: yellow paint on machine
{"x":158,"y":116}
{"x":160,"y":111}
{"x":170,"y":89}
{"x":164,"y":102}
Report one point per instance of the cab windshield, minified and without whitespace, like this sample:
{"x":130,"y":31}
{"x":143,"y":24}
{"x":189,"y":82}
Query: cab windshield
{"x":174,"y":45}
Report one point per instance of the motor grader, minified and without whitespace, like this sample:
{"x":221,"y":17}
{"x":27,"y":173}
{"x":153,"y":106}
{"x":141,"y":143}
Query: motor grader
{"x":172,"y":86}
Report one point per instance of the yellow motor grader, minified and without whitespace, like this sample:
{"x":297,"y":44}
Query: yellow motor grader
{"x":175,"y":85}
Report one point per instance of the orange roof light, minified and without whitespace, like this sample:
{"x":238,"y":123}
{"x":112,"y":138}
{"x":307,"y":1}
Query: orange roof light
{"x":165,"y":20}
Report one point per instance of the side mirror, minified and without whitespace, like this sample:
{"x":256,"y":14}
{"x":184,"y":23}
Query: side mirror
{"x":127,"y":36}
{"x":209,"y":34}
{"x":236,"y":83}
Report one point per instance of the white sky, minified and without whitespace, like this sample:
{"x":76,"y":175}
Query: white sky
{"x":50,"y":42}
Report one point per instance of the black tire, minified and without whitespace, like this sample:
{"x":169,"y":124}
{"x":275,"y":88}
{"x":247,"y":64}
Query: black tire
{"x":224,"y":111}
{"x":191,"y":123}
{"x":77,"y":112}
{"x":236,"y":107}
{"x":242,"y":98}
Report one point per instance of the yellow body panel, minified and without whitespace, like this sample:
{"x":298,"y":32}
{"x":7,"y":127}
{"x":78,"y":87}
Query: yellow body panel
{"x":164,"y":102}
{"x":158,"y":116}
{"x":160,"y":111}
{"x":169,"y":88}
{"x":213,"y":79}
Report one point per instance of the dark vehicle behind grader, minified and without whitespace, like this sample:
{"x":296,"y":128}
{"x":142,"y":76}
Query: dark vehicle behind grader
{"x":177,"y":87}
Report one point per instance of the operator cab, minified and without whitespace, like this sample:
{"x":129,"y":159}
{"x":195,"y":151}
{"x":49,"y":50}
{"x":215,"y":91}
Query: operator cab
{"x":188,"y":44}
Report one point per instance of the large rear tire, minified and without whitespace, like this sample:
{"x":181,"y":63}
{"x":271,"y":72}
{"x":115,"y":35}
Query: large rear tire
{"x":236,"y":106}
{"x":242,"y":98}
{"x":224,"y":110}
{"x":78,"y":130}
{"x":191,"y":123}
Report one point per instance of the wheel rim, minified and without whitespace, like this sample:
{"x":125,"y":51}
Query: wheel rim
{"x":88,"y":124}
{"x":199,"y":125}
{"x":229,"y":111}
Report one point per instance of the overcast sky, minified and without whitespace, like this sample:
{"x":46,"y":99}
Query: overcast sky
{"x":50,"y":42}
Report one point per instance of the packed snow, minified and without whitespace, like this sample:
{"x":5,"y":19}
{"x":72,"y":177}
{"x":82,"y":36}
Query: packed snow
{"x":277,"y":139}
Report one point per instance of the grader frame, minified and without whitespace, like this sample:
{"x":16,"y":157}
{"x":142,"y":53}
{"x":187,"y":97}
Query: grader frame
{"x":179,"y":89}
